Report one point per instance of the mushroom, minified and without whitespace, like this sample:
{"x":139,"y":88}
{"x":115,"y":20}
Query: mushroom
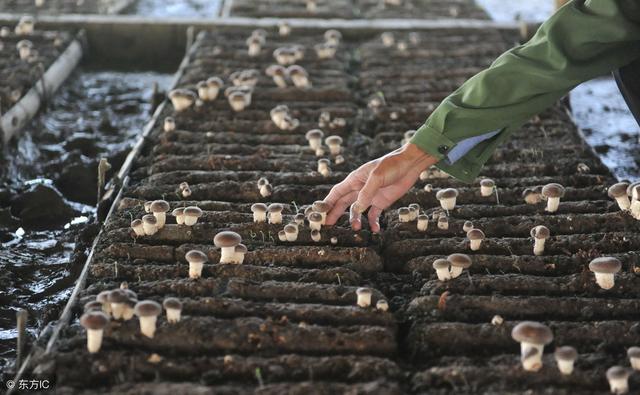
{"x":196,"y":259}
{"x":299,"y":76}
{"x":334,"y":240}
{"x":447,"y":198}
{"x":605,"y":269}
{"x":458,"y":262}
{"x":169,"y":124}
{"x":443,"y":222}
{"x":259,"y":211}
{"x":315,"y":221}
{"x":552,"y":193}
{"x":618,"y":378}
{"x":275,"y":213}
{"x":532,"y":336}
{"x":565,"y":357}
{"x":227,"y":241}
{"x":442,"y":267}
{"x":147,"y":206}
{"x":322,"y":207}
{"x":388,"y":39}
{"x":93,"y":305}
{"x":299,"y":218}
{"x":364,"y":297}
{"x":148,"y":312}
{"x":619,"y":193}
{"x":634,"y":191}
{"x":173,"y":306}
{"x":334,"y":143}
{"x":149,"y":224}
{"x":634,"y":357}
{"x":323,"y":167}
{"x":182,"y":99}
{"x":468,"y":225}
{"x":103,"y":298}
{"x":159,"y":209}
{"x":319,"y":151}
{"x":284,"y":29}
{"x":314,"y":137}
{"x":282,"y":236}
{"x":486,"y":187}
{"x":203,"y":90}
{"x":414,"y":209}
{"x":191,"y":215}
{"x":402,"y":46}
{"x":254,"y":45}
{"x":291,"y":232}
{"x":240,"y":250}
{"x":129,"y":305}
{"x":540,"y":234}
{"x":285,"y":56}
{"x":325,"y":50}
{"x":266,"y":190}
{"x":339,"y":159}
{"x":475,"y":237}
{"x":278,"y":115}
{"x":24,"y":48}
{"x":404,"y":215}
{"x":423,"y":222}
{"x":278,"y":74}
{"x":117,"y":299}
{"x":532,"y":195}
{"x":382,"y":305}
{"x":428,"y":187}
{"x":138,"y":227}
{"x":332,"y":36}
{"x":94,"y":322}
{"x":497,"y":320}
{"x":178,"y":213}
{"x":245,"y":78}
{"x":238,"y":100}
{"x":315,"y":235}
{"x":214,"y":84}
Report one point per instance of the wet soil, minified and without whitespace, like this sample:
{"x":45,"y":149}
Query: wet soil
{"x":95,"y":114}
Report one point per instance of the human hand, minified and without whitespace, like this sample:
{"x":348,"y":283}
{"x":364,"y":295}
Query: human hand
{"x":377,"y":185}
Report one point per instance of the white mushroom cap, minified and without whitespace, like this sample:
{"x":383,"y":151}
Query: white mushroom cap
{"x":227,"y":239}
{"x":607,"y":265}
{"x":532,"y":332}
{"x":553,"y":190}
{"x":540,"y":232}
{"x":475,"y":234}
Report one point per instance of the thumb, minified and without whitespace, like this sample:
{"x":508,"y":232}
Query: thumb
{"x":369,"y":190}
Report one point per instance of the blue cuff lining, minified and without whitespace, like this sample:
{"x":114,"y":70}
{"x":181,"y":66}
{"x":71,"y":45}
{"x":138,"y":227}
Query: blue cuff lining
{"x":466,"y":145}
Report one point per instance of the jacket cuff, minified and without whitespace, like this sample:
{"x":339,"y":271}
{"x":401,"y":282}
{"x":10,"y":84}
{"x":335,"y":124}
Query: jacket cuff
{"x":432,"y":142}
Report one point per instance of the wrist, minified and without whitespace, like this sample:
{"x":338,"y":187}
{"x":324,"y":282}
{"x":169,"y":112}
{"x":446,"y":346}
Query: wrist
{"x":418,"y":157}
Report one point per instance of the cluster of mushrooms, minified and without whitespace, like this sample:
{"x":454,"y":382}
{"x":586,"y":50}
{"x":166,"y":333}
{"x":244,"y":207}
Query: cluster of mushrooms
{"x":390,"y":40}
{"x":156,"y":216}
{"x":26,"y":48}
{"x":122,"y":304}
{"x":534,"y":336}
{"x":627,"y":195}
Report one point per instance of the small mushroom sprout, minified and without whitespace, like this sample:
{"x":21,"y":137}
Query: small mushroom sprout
{"x":138,"y":227}
{"x":532,"y":336}
{"x":335,"y":144}
{"x":382,"y":305}
{"x":467,"y":226}
{"x":196,"y":259}
{"x":332,"y":36}
{"x":364,"y":297}
{"x":443,"y":222}
{"x":634,"y":192}
{"x":159,"y":209}
{"x":227,"y":242}
{"x":279,"y":75}
{"x":388,"y":39}
{"x":486,"y":187}
{"x":315,"y":221}
{"x":169,"y":124}
{"x":532,"y":195}
{"x":275,"y":213}
{"x":149,"y":224}
{"x":314,"y":137}
{"x":241,"y":251}
{"x":291,"y":232}
{"x":323,"y":167}
{"x":25,"y":49}
{"x":315,"y":235}
{"x":404,"y":215}
{"x":423,"y":223}
{"x":605,"y":269}
{"x":173,"y":307}
{"x":117,"y":300}
{"x":634,"y":357}
{"x":325,"y":50}
{"x":566,"y":357}
{"x":254,"y":44}
{"x":191,"y":215}
{"x":148,"y":312}
{"x":552,"y":193}
{"x":322,"y":207}
{"x":618,"y":377}
{"x":178,"y":213}
{"x":94,"y":322}
{"x":475,"y":237}
{"x":540,"y":235}
{"x":299,"y":76}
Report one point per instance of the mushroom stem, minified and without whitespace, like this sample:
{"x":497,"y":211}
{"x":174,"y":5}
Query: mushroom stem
{"x":364,"y":299}
{"x":456,"y":271}
{"x":195,"y":269}
{"x":448,"y":203}
{"x":538,"y":246}
{"x":189,"y":220}
{"x":161,"y":219}
{"x":117,"y":310}
{"x":565,"y":366}
{"x":94,"y":340}
{"x":475,"y":244}
{"x":423,"y":223}
{"x":148,"y":325}
{"x":444,"y":274}
{"x":605,"y":280}
{"x":623,"y":202}
{"x":531,"y":356}
{"x":173,"y":315}
{"x":275,"y":218}
{"x":486,"y":191}
{"x":259,"y":216}
{"x":228,"y":254}
{"x":635,"y":208}
{"x":552,"y":204}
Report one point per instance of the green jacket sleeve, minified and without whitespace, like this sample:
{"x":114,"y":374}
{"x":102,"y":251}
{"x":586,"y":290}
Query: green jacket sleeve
{"x":583,"y":40}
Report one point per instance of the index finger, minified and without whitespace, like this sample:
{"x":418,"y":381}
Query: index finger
{"x":338,"y":191}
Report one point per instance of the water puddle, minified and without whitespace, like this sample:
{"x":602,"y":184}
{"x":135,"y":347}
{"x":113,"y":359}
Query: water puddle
{"x":95,"y":114}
